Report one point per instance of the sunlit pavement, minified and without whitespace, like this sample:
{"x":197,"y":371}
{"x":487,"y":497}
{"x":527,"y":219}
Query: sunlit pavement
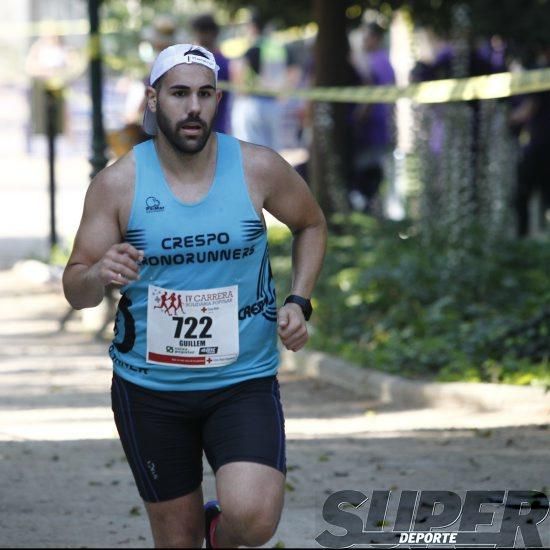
{"x":55,"y":383}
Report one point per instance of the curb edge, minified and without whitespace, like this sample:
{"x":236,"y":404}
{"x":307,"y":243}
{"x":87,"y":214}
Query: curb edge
{"x":389,"y":388}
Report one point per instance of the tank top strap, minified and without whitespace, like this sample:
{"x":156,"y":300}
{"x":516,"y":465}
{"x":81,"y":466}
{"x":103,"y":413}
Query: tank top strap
{"x":145,"y":157}
{"x":230,"y":170}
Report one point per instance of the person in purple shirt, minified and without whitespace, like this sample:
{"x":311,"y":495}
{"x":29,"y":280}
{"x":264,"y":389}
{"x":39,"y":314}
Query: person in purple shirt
{"x":531,"y":118}
{"x":205,"y":34}
{"x":372,"y":123}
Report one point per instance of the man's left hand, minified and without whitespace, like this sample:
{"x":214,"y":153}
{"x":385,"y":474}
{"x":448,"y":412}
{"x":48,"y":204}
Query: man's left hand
{"x":292,"y":327}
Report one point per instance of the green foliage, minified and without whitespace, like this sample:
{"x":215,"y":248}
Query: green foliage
{"x":384,"y":302}
{"x":283,"y":13}
{"x":525,"y":24}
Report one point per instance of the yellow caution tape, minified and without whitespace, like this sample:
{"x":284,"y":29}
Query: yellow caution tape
{"x":94,"y":46}
{"x":491,"y":86}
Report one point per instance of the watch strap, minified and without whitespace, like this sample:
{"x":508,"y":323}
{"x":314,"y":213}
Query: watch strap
{"x":304,"y":304}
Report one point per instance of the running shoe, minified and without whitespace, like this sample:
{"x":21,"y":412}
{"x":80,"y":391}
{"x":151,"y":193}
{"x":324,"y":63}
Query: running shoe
{"x":211,"y":511}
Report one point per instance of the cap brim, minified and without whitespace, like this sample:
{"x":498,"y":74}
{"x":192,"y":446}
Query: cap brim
{"x":150,"y":122}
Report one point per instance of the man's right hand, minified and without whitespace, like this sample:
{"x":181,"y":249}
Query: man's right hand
{"x":119,"y":265}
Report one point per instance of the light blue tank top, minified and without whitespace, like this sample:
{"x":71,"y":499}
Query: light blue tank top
{"x":203,"y":313}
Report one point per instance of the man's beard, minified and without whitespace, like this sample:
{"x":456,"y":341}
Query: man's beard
{"x":179,"y":141}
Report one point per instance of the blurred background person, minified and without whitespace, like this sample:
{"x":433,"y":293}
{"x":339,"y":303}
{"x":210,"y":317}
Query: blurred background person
{"x":293,"y":109}
{"x":531,"y":120}
{"x":48,"y":63}
{"x":255,"y":118}
{"x":205,"y":33}
{"x":373,"y":128}
{"x":47,"y":57}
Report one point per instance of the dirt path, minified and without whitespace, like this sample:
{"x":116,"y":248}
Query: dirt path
{"x":65,"y":482}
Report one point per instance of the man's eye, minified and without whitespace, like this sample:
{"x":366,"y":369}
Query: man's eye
{"x":205,"y":93}
{"x":179,"y":93}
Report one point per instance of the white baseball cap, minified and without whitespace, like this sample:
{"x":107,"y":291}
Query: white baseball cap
{"x":170,"y":57}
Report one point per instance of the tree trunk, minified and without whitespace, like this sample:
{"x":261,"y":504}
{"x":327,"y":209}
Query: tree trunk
{"x":330,"y":147}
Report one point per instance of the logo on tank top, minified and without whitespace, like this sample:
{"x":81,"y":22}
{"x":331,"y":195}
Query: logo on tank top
{"x":152,"y":204}
{"x":266,"y":303}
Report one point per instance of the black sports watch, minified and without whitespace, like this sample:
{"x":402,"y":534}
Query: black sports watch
{"x":304,"y":303}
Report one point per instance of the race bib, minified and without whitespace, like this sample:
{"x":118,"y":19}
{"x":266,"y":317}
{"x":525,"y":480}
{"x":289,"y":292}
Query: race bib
{"x":192,"y":328}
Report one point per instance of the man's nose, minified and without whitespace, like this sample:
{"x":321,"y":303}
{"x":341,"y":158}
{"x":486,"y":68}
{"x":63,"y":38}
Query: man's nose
{"x":194,"y":107}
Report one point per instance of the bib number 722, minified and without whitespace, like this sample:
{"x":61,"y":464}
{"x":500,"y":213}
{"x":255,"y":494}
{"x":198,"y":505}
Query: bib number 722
{"x":193,"y":322}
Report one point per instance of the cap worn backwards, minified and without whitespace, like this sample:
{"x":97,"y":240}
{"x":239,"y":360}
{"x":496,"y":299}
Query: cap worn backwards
{"x":169,"y":58}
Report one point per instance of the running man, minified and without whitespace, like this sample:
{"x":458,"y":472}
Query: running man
{"x":204,"y":379}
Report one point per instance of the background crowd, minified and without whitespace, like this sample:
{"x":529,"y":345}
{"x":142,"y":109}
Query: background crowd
{"x":285,"y":124}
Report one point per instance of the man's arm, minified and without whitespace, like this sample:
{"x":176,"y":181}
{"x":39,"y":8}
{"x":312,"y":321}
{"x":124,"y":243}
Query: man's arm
{"x":288,"y":198}
{"x":291,"y":202}
{"x":99,"y":258}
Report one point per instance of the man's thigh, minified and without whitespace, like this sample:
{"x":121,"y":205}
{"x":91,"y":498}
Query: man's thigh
{"x":162,"y":445}
{"x":246,"y":424}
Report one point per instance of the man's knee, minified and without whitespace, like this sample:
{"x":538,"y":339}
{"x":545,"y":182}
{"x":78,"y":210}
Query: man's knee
{"x":253,"y":526}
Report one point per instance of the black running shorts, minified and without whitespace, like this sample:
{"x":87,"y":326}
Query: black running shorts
{"x":165,"y":432}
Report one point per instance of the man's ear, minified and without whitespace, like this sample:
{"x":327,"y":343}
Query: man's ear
{"x":151,"y":96}
{"x":219,"y":94}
